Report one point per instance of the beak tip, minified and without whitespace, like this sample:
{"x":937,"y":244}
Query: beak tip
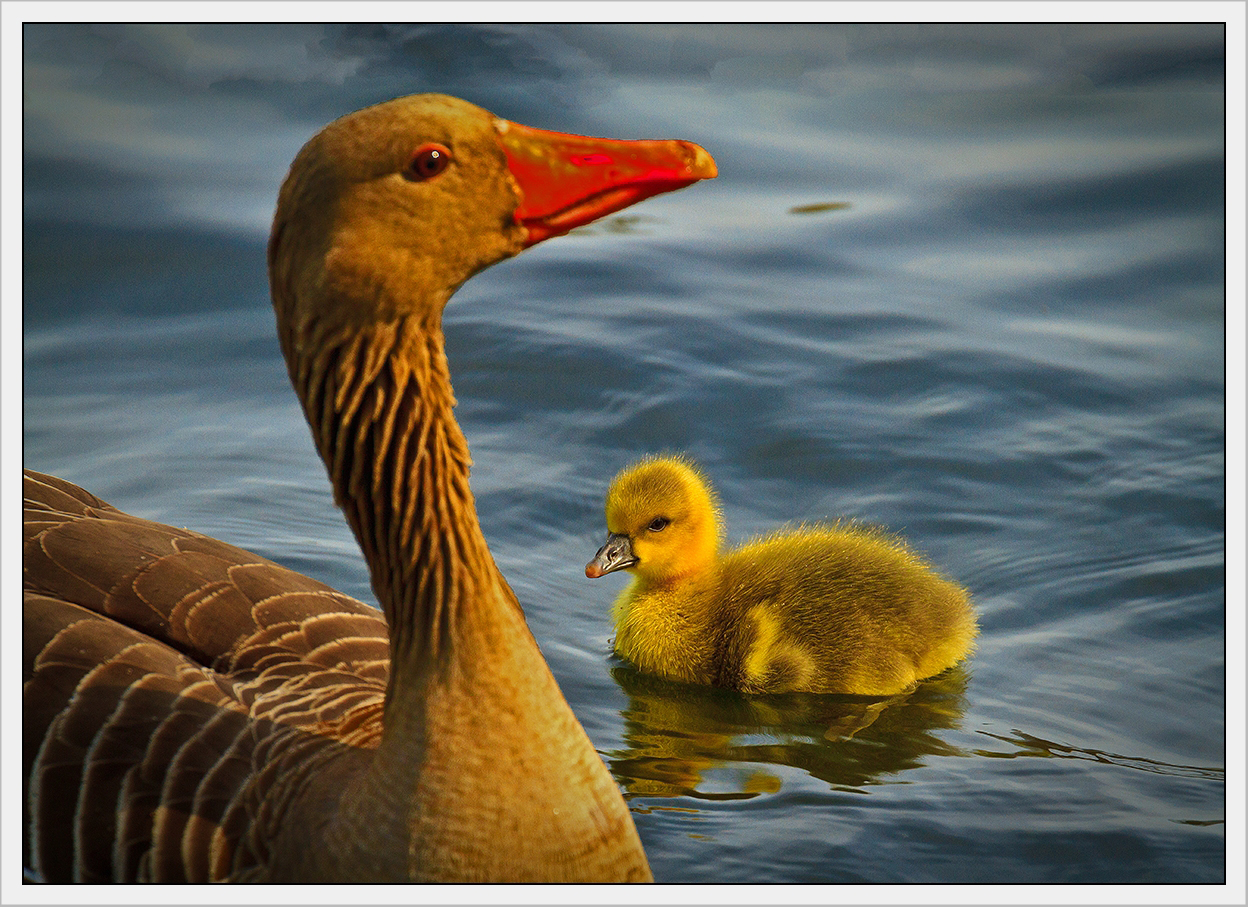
{"x":592,"y":570}
{"x":701,"y":164}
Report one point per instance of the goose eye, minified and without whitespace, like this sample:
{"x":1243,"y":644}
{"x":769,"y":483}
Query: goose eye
{"x":427,"y":161}
{"x":658,"y":524}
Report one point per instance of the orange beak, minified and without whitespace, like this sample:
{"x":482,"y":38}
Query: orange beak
{"x":566,"y":181}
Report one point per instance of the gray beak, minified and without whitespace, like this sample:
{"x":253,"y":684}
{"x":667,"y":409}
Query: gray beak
{"x":616,"y":554}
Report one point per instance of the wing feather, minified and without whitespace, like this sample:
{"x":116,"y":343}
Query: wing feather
{"x":181,"y":690}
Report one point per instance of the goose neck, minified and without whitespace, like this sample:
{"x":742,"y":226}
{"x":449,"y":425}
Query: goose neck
{"x":380,"y":405}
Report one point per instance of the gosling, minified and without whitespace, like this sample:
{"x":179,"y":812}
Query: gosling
{"x":823,"y":608}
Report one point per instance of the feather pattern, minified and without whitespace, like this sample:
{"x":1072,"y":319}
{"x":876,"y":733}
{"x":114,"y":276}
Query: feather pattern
{"x":154,"y":690}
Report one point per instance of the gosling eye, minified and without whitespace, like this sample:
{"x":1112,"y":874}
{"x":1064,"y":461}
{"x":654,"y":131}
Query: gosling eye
{"x":426,"y":162}
{"x":658,"y":524}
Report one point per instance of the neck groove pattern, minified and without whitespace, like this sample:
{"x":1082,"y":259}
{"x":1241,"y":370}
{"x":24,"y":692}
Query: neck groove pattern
{"x":380,"y":405}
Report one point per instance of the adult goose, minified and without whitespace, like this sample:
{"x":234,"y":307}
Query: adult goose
{"x":193,"y":712}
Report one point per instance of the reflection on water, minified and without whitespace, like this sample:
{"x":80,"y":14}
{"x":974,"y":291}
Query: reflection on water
{"x":685,"y":740}
{"x":820,"y":207}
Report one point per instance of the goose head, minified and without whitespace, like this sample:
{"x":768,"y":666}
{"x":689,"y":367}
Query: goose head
{"x":387,"y":211}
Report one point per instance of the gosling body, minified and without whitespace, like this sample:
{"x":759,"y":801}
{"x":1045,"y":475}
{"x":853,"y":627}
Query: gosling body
{"x":823,"y":608}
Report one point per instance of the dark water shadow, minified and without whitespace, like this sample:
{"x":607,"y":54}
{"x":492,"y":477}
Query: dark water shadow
{"x":1029,"y":746}
{"x":677,"y":734}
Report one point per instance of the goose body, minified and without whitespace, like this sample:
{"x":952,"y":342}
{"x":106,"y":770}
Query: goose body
{"x":193,"y":712}
{"x":824,"y":608}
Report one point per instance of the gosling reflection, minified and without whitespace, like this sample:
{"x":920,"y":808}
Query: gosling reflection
{"x":684,"y":740}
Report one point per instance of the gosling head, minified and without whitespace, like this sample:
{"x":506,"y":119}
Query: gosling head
{"x":663,"y":522}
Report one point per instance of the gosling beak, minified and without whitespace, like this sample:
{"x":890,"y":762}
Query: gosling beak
{"x":616,"y":554}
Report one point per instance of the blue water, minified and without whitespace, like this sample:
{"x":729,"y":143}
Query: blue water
{"x":964,"y":282}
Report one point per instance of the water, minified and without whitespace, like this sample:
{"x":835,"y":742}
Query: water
{"x":964,"y":282}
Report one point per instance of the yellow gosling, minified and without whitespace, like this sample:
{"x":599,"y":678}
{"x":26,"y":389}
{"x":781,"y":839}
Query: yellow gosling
{"x":823,"y":608}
